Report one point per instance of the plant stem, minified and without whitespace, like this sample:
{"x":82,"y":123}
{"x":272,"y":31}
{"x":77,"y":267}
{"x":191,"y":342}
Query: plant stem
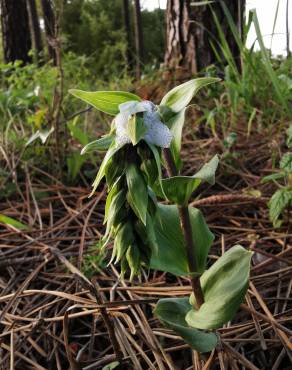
{"x":186,"y":227}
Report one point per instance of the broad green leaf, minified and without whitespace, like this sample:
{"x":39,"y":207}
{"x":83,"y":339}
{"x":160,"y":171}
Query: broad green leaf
{"x":179,"y":189}
{"x":281,"y":199}
{"x":101,"y":172}
{"x":179,"y":97}
{"x":105,"y":101}
{"x":136,"y":129}
{"x":286,"y":162}
{"x":224,"y":286}
{"x":172,"y":311}
{"x":12,"y":222}
{"x":171,"y":253}
{"x":100,"y":145}
{"x":273,"y":177}
{"x":138,"y":193}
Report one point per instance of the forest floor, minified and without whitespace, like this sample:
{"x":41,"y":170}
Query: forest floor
{"x":51,"y":315}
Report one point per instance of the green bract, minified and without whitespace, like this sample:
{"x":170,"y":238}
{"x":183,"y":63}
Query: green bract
{"x":148,"y":233}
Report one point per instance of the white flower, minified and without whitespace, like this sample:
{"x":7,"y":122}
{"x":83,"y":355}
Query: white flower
{"x":157,"y":133}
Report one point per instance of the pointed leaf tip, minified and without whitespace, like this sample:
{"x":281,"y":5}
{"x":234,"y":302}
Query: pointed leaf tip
{"x":179,"y":97}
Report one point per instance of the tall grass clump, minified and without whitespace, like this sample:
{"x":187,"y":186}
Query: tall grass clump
{"x":258,"y":89}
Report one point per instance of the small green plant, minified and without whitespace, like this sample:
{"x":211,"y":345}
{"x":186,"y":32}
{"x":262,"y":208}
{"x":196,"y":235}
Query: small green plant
{"x":281,"y":200}
{"x":173,"y":238}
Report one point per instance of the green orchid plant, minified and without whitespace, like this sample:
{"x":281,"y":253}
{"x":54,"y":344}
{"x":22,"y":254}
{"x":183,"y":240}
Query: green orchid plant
{"x":145,"y":138}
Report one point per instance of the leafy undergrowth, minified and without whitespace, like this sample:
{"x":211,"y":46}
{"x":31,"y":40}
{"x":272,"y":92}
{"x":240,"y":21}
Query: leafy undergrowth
{"x":55,"y":279}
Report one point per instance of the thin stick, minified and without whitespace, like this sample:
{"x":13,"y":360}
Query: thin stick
{"x":187,"y":232}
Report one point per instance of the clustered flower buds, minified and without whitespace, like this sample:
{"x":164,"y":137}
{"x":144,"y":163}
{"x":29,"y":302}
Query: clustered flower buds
{"x":127,"y":174}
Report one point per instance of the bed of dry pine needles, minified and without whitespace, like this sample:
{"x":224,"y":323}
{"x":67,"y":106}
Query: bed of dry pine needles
{"x":53,"y":317}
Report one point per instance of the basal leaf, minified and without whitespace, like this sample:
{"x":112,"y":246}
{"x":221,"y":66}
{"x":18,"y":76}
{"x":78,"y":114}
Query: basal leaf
{"x":179,"y":97}
{"x":100,"y":145}
{"x":224,"y":286}
{"x":138,"y":193}
{"x":171,"y":252}
{"x":105,"y":101}
{"x":179,"y":189}
{"x":172,"y":311}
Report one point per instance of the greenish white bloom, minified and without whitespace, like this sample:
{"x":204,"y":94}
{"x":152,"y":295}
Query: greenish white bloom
{"x":157,"y":133}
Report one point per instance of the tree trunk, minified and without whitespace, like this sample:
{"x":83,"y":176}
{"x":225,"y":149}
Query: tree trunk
{"x":35,"y":28}
{"x":138,"y":37}
{"x":127,"y":26}
{"x":191,"y":30}
{"x":15,"y":31}
{"x":49,"y":20}
{"x":180,"y":37}
{"x":287,"y":30}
